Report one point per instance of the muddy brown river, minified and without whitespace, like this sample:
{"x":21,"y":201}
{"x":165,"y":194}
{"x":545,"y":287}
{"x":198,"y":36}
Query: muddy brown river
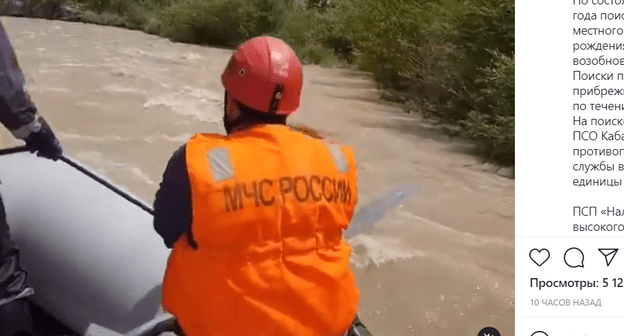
{"x":442,"y":264}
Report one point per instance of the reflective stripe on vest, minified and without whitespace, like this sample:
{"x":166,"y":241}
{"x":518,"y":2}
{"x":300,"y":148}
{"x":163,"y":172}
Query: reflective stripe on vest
{"x":338,"y":156}
{"x":220,"y":164}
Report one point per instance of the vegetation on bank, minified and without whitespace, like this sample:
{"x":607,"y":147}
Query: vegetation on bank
{"x":448,"y":59}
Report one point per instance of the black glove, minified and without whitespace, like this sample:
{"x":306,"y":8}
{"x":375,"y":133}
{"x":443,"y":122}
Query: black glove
{"x":44,"y":142}
{"x":178,"y":329}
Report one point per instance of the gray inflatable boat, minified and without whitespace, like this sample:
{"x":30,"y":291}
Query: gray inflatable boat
{"x":90,"y":249}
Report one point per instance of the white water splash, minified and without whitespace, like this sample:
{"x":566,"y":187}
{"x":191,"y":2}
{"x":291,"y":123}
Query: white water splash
{"x":377,"y":250}
{"x":56,"y":89}
{"x":164,"y":137}
{"x":201,"y":104}
{"x":120,"y":89}
{"x":105,"y":138}
{"x":192,"y":56}
{"x":97,"y":160}
{"x":115,"y":138}
{"x":87,"y":104}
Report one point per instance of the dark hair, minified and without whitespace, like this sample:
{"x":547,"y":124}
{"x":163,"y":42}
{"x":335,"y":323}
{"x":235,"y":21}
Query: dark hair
{"x":253,"y":116}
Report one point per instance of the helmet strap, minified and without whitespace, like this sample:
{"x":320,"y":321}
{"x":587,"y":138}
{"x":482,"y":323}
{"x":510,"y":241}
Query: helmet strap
{"x":275,"y":100}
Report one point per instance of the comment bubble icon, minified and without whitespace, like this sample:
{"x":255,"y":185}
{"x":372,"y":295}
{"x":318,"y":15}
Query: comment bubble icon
{"x":574,"y":257}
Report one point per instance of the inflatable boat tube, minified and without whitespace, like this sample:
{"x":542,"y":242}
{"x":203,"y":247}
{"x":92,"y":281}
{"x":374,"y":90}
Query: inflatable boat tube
{"x":91,"y":255}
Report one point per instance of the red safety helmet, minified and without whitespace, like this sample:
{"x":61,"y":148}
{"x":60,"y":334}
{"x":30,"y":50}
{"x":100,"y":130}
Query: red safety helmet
{"x":264,"y":73}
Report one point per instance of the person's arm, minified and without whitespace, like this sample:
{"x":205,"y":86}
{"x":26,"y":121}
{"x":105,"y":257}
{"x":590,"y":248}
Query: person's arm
{"x":18,"y":113}
{"x":173,"y":212}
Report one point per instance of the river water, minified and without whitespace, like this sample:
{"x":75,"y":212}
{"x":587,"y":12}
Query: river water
{"x":442,"y":264}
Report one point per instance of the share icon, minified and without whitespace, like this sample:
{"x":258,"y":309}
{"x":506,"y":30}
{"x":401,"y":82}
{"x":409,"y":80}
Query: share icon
{"x":609,"y":254}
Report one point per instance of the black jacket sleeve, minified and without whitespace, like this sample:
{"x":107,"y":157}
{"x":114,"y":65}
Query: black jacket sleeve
{"x":172,"y":206}
{"x":18,"y":113}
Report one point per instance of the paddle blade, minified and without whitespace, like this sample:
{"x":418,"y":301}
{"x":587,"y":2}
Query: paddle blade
{"x":367,"y":216}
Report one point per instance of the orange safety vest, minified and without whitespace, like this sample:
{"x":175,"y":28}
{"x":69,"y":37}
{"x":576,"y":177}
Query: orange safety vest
{"x":269,"y":207}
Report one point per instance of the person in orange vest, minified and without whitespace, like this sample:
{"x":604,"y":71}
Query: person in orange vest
{"x":255,"y":218}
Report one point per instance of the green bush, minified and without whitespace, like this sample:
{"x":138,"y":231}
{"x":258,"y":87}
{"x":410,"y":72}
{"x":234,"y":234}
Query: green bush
{"x":452,"y":58}
{"x":484,"y":47}
{"x":307,"y":31}
{"x":220,"y":22}
{"x":386,"y":34}
{"x":131,"y":14}
{"x":494,"y":124}
{"x":488,"y":26}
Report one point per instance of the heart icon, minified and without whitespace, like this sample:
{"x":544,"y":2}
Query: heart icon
{"x":539,"y":257}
